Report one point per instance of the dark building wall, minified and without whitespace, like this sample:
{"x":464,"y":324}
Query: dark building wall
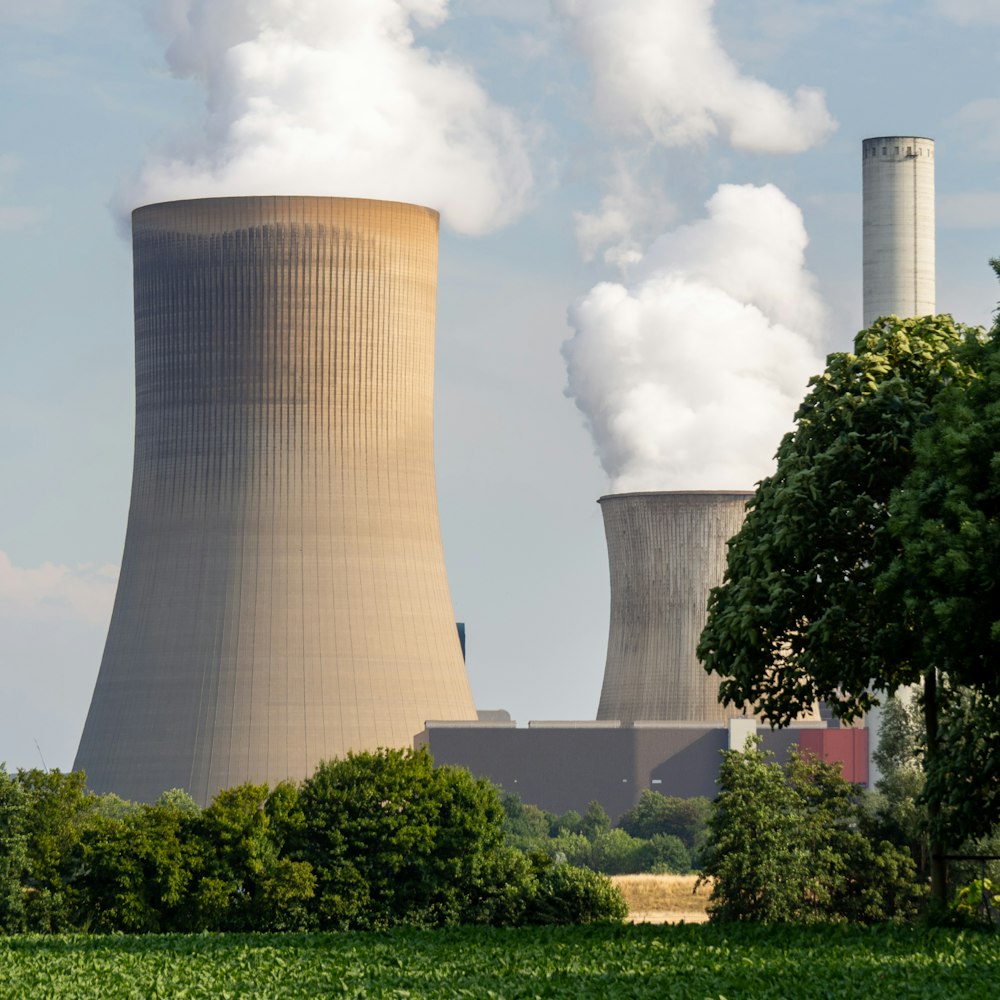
{"x":562,"y":768}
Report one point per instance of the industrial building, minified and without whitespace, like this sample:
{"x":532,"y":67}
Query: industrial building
{"x":660,"y":725}
{"x":566,"y":765}
{"x":283,"y":596}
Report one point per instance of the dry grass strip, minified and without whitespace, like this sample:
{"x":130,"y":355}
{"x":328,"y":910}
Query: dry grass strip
{"x":663,"y":899}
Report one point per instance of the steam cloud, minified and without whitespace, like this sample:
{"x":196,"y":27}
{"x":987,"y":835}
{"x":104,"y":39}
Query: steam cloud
{"x":689,"y":371}
{"x":689,"y":374}
{"x":660,"y":76}
{"x":314,"y":97}
{"x":659,"y":69}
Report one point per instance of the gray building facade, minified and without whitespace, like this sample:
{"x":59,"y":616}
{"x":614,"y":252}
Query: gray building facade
{"x":560,"y":766}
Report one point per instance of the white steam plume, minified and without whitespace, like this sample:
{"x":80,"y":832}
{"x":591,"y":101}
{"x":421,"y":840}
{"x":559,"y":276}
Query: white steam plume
{"x":689,"y":374}
{"x":335,"y":98}
{"x":659,"y":68}
{"x":662,"y":79}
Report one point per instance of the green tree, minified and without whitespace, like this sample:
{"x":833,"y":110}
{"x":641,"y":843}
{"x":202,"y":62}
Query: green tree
{"x":13,"y":853}
{"x":595,"y":822}
{"x":946,"y":521}
{"x":667,"y":854}
{"x":526,"y":826}
{"x":58,"y":811}
{"x":802,"y":614}
{"x":893,"y":810}
{"x":244,"y":883}
{"x":570,"y":895}
{"x":568,"y":822}
{"x":656,"y":813}
{"x":785,"y":843}
{"x":136,"y":873}
{"x":758,"y":866}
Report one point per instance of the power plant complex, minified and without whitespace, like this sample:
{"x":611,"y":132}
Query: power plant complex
{"x":283,"y":597}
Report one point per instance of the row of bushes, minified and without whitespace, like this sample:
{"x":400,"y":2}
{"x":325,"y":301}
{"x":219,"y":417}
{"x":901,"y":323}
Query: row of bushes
{"x":371,"y":841}
{"x":661,"y":834}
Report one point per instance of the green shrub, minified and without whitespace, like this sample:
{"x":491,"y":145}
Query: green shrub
{"x":570,"y":895}
{"x":786,"y":844}
{"x":977,"y":902}
{"x":656,"y":814}
{"x":391,"y":839}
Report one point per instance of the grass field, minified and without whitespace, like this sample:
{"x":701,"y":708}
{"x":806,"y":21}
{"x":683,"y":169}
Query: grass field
{"x":632,"y":961}
{"x":664,"y":899}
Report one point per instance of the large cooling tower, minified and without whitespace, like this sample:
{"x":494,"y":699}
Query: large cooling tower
{"x":898,"y":226}
{"x":283,"y":596}
{"x":665,"y":551}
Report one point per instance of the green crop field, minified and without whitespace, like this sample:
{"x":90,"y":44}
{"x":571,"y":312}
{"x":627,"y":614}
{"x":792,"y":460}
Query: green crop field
{"x":578,"y":962}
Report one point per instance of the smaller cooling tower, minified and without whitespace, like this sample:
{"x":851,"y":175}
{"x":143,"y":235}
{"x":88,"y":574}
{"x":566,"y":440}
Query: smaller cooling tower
{"x":665,"y":551}
{"x":898,"y":226}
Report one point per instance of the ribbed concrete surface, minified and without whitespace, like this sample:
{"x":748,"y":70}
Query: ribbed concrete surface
{"x":283,"y":596}
{"x":665,"y":552}
{"x":898,"y":226}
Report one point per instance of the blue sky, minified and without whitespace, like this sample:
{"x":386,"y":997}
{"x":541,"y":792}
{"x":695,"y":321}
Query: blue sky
{"x":588,"y":147}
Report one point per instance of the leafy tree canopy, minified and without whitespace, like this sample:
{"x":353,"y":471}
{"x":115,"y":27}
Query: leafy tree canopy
{"x":945,"y":522}
{"x":801,"y":615}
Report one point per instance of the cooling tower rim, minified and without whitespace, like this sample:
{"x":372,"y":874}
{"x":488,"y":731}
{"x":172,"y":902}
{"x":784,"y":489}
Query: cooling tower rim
{"x":274,"y":201}
{"x":676,"y":493}
{"x":886,"y":138}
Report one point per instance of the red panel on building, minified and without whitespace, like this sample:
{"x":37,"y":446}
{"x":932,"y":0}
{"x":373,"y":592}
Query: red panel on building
{"x":848,"y":747}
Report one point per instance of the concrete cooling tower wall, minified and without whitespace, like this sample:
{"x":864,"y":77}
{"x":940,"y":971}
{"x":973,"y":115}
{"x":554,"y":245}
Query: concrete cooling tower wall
{"x":283,"y":596}
{"x":898,"y":226}
{"x":665,"y":552}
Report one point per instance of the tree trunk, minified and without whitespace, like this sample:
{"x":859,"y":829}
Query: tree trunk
{"x":939,"y":867}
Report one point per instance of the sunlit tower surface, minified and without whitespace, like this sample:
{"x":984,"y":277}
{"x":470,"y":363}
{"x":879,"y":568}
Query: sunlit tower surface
{"x":283,"y":596}
{"x":898,"y":226}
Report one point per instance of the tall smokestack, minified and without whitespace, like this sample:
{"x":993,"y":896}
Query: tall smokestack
{"x":665,"y":552}
{"x":898,"y":226}
{"x":283,"y":596}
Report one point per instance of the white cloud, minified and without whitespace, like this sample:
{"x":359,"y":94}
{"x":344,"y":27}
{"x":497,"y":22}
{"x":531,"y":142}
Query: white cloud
{"x":53,"y":592}
{"x":689,"y":374}
{"x":660,"y":68}
{"x":969,"y":11}
{"x":314,"y":97}
{"x":53,"y":621}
